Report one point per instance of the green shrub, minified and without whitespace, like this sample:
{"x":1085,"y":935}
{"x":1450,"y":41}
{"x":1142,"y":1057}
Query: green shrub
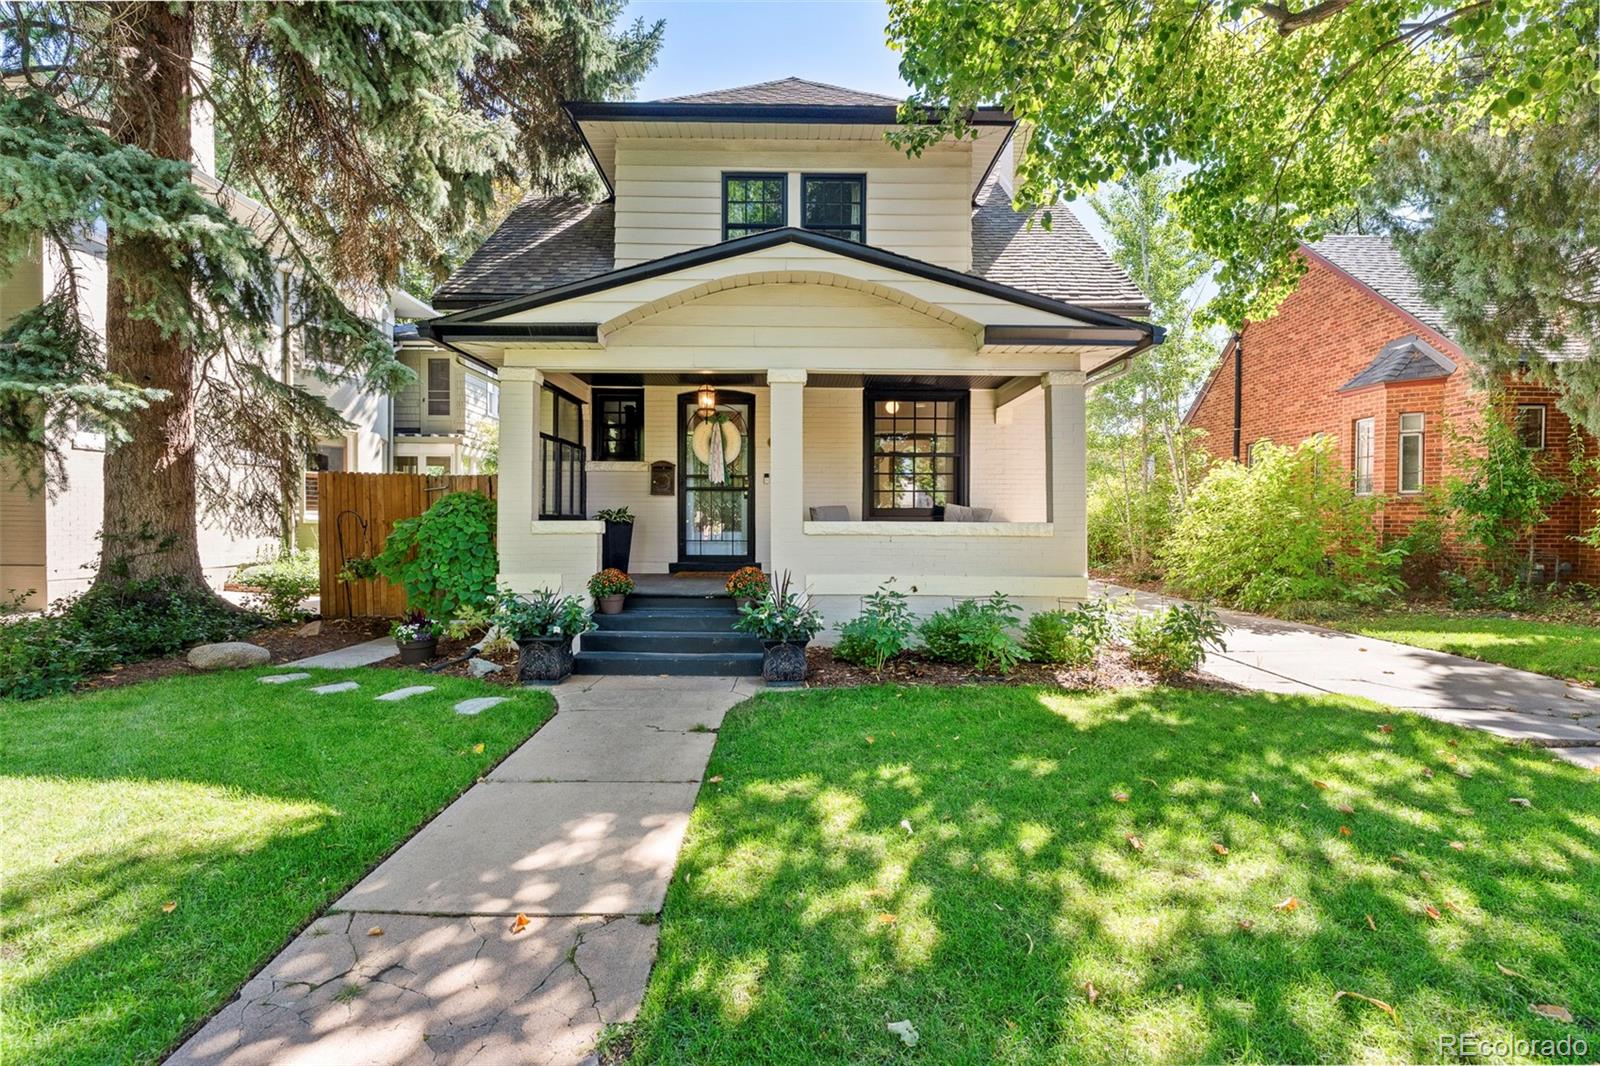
{"x":279,"y":587}
{"x":1287,"y":527}
{"x":1071,"y":638}
{"x":445,"y":557}
{"x":1172,"y":641}
{"x":882,"y":630}
{"x":544,"y":614}
{"x":974,"y":633}
{"x":91,"y":633}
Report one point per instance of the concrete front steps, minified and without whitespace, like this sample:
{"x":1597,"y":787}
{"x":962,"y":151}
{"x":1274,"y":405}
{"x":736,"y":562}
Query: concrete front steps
{"x":684,"y":634}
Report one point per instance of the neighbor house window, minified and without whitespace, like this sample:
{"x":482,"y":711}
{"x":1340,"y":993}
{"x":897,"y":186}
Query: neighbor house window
{"x":438,"y":386}
{"x":405,"y":464}
{"x":916,"y":452}
{"x":1530,"y":425}
{"x":1411,"y":453}
{"x":561,"y":455}
{"x":619,"y":425}
{"x":752,"y":203}
{"x":1255,"y":450}
{"x":835,"y":204}
{"x":1362,"y":460}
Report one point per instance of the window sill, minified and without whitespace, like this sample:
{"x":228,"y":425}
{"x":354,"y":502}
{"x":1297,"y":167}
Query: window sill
{"x":930,"y":529}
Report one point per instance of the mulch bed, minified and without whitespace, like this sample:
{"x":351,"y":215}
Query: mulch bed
{"x":1110,"y":670}
{"x":450,"y":651}
{"x":284,"y":642}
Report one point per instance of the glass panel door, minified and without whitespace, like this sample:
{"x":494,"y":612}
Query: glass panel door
{"x":716,"y":508}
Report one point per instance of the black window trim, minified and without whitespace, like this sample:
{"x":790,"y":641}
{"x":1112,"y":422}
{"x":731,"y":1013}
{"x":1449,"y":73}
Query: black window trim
{"x":581,"y":465}
{"x":872,"y":394}
{"x":597,"y":399}
{"x":832,"y":231}
{"x":765,"y":175}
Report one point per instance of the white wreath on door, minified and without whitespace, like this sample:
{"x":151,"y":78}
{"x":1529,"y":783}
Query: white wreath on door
{"x":732,"y":441}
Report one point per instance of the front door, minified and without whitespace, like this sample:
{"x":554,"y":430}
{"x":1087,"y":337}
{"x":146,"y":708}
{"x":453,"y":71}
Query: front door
{"x":716,"y":482}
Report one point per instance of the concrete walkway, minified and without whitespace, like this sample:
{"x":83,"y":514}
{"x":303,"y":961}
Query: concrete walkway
{"x":364,"y":654}
{"x":424,"y":960}
{"x":1276,"y":656}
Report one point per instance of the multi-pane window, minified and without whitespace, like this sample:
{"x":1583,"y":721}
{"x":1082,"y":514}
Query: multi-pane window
{"x":916,"y":455}
{"x":561,"y":455}
{"x":752,"y":203}
{"x":438,"y":386}
{"x":835,"y":204}
{"x":1362,"y":458}
{"x":1411,"y":427}
{"x":1530,"y":426}
{"x":619,"y":424}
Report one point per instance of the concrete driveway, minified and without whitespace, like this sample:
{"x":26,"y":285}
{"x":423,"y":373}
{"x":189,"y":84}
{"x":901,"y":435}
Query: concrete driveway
{"x":1276,"y":656}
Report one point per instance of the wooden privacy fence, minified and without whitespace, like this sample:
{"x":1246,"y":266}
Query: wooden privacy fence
{"x":356,"y":513}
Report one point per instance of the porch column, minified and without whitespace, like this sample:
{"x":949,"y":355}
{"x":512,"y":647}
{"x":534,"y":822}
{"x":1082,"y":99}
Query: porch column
{"x":786,"y":493}
{"x":519,"y":465}
{"x":1066,"y":487}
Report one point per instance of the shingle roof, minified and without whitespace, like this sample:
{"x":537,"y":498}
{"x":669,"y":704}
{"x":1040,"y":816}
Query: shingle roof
{"x":543,"y":242}
{"x":786,"y":91}
{"x":1406,"y":359}
{"x":548,"y":242}
{"x":1063,"y":262}
{"x":1375,"y":262}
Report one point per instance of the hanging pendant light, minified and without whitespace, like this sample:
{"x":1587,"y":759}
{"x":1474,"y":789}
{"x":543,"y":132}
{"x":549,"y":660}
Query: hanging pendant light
{"x":706,"y":398}
{"x":891,"y":407}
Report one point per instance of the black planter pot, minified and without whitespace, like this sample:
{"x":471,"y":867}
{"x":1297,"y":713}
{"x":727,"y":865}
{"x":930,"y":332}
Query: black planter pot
{"x":545,"y":660}
{"x":417,"y":652}
{"x":616,"y":543}
{"x":784,"y":662}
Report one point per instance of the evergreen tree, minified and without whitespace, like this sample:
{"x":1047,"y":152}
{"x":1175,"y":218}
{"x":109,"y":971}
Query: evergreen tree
{"x":367,"y":135}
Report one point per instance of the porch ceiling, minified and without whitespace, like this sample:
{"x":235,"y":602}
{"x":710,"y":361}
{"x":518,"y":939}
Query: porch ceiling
{"x":814,"y":381}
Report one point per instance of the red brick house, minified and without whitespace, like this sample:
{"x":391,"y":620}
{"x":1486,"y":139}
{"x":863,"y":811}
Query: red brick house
{"x":1357,"y":353}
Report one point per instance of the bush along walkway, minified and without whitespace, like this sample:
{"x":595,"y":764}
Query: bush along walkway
{"x":521,"y":921}
{"x":1287,"y":657}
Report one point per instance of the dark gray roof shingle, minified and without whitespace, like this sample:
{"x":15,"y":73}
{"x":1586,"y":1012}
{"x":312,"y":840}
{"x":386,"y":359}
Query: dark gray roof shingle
{"x":786,"y":91}
{"x":1063,"y":262}
{"x":1406,"y":359}
{"x":1375,"y":262}
{"x":543,"y":242}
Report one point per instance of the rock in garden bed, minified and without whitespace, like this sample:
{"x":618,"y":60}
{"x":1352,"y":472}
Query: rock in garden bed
{"x":228,"y":655}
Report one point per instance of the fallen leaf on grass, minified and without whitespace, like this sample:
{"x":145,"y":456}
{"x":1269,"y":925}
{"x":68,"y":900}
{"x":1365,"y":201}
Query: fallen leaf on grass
{"x":1520,"y":802}
{"x":1219,"y":848}
{"x":1255,"y":799}
{"x":1431,"y":911}
{"x":1120,"y":797}
{"x":1458,"y":845}
{"x":1246,"y":924}
{"x":376,"y":930}
{"x":169,"y":906}
{"x":1135,"y":843}
{"x":871,"y":740}
{"x":1554,"y":1012}
{"x":1091,"y":991}
{"x":714,"y":779}
{"x":1290,"y":904}
{"x":905,"y":1031}
{"x":1427,"y":773}
{"x":1344,"y":830}
{"x":519,"y":923}
{"x":477,"y":749}
{"x":887,"y":919}
{"x":1320,"y":784}
{"x":1345,"y":808}
{"x":1380,"y":1004}
{"x":1372,"y":924}
{"x":1386,"y":728}
{"x":905,"y":823}
{"x":1508,"y":971}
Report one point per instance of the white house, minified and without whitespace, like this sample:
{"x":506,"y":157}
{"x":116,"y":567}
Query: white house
{"x":895,"y":361}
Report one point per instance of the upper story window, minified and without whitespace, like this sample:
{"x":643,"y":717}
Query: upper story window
{"x":619,"y":425}
{"x":1411,"y":429}
{"x":1530,"y":426}
{"x":835,"y":204}
{"x":1363,"y":453}
{"x":752,"y":203}
{"x":438,"y":386}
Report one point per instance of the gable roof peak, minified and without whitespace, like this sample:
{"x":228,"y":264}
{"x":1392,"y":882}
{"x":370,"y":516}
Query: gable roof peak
{"x":790,"y":90}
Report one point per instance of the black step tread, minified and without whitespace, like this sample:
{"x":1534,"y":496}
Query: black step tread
{"x":666,"y":622}
{"x":681,"y":665}
{"x":681,"y":641}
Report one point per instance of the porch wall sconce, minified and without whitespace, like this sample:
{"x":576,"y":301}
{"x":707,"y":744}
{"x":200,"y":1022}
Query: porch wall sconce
{"x":705,"y":398}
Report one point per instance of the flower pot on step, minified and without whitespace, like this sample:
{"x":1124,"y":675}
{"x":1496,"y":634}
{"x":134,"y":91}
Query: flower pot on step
{"x":545,"y":660}
{"x":784,"y":663}
{"x":611,"y":604}
{"x":417,"y":652}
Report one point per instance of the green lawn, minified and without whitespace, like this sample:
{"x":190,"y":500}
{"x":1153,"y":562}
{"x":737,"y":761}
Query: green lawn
{"x":249,"y":806}
{"x":960,"y":858}
{"x":1557,"y":649}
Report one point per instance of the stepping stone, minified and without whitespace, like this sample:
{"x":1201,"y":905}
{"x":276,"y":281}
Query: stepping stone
{"x":402,"y":693}
{"x":282,"y":679}
{"x":337,"y":686}
{"x":480,"y":703}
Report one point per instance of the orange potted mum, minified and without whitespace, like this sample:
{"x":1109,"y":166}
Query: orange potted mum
{"x":747,"y":585}
{"x":610,"y":587}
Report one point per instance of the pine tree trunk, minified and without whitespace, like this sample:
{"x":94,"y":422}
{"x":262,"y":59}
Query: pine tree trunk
{"x":149,"y":528}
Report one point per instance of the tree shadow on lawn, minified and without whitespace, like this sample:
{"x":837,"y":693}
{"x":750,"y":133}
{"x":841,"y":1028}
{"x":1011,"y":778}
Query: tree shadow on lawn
{"x":805,"y":914}
{"x":249,"y":810}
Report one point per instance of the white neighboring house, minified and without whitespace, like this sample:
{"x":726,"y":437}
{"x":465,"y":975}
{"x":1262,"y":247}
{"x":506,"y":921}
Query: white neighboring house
{"x":895,"y":360}
{"x":447,"y":420}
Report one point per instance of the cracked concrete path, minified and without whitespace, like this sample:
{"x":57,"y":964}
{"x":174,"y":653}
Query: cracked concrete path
{"x":1276,"y":656}
{"x":578,"y":829}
